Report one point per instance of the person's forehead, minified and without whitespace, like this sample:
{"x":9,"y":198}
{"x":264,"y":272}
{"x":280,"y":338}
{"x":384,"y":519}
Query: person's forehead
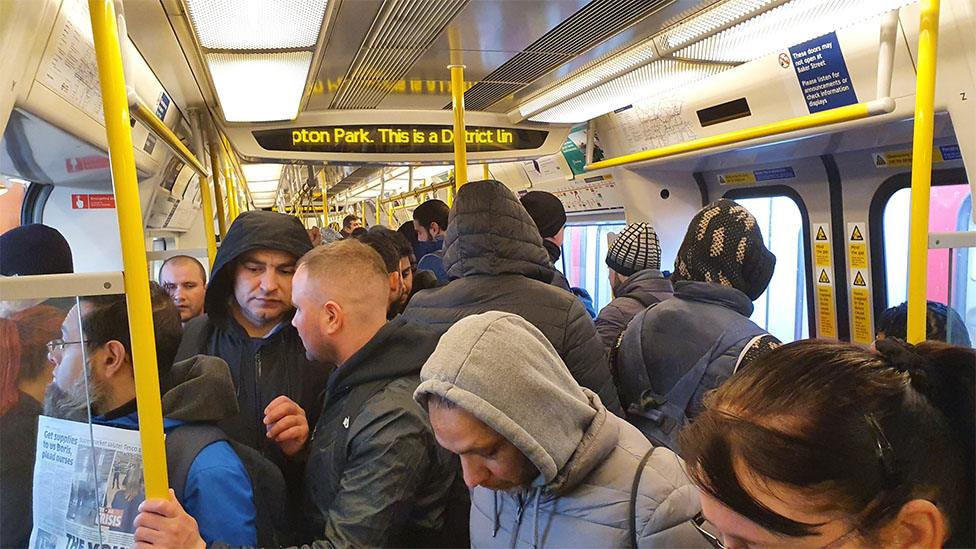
{"x":269,"y":256}
{"x":462,"y":427}
{"x":180,"y":270}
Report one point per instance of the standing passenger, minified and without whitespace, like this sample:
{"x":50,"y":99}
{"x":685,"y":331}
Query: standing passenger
{"x":549,"y":215}
{"x":349,"y":224}
{"x":384,"y":246}
{"x":634,"y":260}
{"x":375,"y":476}
{"x":547,"y":463}
{"x":494,"y":254}
{"x":247,"y":324}
{"x":821,"y":444}
{"x":673,"y":353}
{"x":430,"y":221}
{"x":185,"y":280}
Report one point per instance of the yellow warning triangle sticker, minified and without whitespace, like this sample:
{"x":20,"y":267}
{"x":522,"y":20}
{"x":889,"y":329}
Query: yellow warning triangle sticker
{"x":823,"y":277}
{"x":856,"y":234}
{"x":821,"y":235}
{"x":859,"y":280}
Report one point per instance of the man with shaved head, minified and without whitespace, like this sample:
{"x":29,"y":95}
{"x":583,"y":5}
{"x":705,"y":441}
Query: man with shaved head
{"x":375,"y":476}
{"x":185,"y":280}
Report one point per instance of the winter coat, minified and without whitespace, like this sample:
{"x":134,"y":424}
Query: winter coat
{"x":262,"y":368}
{"x":388,"y":484}
{"x":500,"y":369}
{"x":218,"y":490}
{"x":18,"y":441}
{"x":559,"y":280}
{"x":496,"y":262}
{"x":678,"y":331}
{"x":633,"y":296}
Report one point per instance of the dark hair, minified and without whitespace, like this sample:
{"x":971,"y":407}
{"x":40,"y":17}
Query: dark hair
{"x":107,"y":319}
{"x":860,"y":431}
{"x":399,"y":241}
{"x":409,"y":232}
{"x":429,"y":212}
{"x":183,"y":259}
{"x":385,"y":247}
{"x":942,"y":323}
{"x":346,"y":221}
{"x":358,"y":231}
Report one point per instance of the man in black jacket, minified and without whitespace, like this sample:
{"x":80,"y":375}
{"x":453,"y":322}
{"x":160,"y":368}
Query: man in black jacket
{"x":247,"y":324}
{"x":376,"y":476}
{"x":494,"y":256}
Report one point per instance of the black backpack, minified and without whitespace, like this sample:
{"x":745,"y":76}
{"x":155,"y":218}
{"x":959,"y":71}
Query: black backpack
{"x":661,"y":417}
{"x":267,"y":484}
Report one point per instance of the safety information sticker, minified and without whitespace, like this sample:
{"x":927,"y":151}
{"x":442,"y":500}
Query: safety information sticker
{"x":823,"y":276}
{"x":903,"y":158}
{"x":862,"y":329}
{"x":822,"y":72}
{"x":755,"y":176}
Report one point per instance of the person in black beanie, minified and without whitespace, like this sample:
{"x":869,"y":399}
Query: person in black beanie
{"x":722,"y":266}
{"x":549,"y":215}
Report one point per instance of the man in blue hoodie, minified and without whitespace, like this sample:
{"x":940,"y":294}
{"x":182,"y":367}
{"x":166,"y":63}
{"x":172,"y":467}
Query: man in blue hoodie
{"x":217,"y":486}
{"x":430,"y":221}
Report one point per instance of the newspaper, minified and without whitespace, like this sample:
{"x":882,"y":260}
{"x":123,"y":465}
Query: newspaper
{"x":88,"y":485}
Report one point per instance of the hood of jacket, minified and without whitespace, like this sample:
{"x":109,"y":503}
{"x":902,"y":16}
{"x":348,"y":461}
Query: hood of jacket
{"x":709,"y":292}
{"x":490,"y":233}
{"x":648,"y":280}
{"x":501,"y":369}
{"x":200,"y":390}
{"x":398,"y":349}
{"x":252,"y":230}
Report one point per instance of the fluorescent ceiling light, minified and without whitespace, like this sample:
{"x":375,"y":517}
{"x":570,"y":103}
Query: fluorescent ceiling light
{"x":710,"y":19}
{"x":259,"y":87}
{"x":784,"y":26}
{"x":256,"y":24}
{"x":660,"y":76}
{"x":262,"y":186}
{"x":262,"y":172}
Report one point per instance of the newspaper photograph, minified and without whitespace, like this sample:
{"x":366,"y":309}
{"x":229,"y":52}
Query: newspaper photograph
{"x":88,"y":485}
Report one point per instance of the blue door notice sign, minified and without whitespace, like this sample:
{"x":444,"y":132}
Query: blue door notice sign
{"x":822,"y":72}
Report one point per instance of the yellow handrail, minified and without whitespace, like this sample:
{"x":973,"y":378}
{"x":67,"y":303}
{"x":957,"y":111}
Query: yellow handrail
{"x":918,"y":231}
{"x":205,"y":196}
{"x":460,"y":147}
{"x":149,"y":118}
{"x":832,"y":116}
{"x":108,"y":54}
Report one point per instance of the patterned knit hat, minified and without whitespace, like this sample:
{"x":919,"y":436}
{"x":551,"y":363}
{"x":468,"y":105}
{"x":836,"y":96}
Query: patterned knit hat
{"x":723,"y":245}
{"x":636,"y":249}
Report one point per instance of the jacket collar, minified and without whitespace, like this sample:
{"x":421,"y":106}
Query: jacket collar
{"x":649,"y":280}
{"x":396,"y":350}
{"x":708,"y":292}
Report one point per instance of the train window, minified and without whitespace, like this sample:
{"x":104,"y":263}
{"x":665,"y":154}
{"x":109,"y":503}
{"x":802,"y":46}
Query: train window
{"x":782,"y":308}
{"x":951,"y":272}
{"x":582,"y":261}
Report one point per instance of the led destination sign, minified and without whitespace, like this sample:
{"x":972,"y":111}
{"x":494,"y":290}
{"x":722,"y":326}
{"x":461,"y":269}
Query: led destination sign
{"x":410,"y":138}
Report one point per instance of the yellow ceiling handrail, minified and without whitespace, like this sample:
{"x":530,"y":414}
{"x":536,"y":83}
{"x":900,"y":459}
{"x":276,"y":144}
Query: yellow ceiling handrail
{"x":143,"y":114}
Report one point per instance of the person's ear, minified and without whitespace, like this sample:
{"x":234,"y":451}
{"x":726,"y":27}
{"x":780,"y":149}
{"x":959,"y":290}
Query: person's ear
{"x":114,"y":359}
{"x":333,"y":317}
{"x":919,"y":524}
{"x":394,"y":280}
{"x":435,"y":228}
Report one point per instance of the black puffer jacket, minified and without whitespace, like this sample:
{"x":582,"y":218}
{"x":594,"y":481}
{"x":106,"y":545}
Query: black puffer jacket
{"x":262,"y":368}
{"x":496,"y":262}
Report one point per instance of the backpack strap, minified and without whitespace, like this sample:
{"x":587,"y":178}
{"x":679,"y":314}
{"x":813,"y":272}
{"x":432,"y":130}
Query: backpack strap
{"x":183,"y":444}
{"x":351,"y":407}
{"x":632,"y":513}
{"x":630,"y":344}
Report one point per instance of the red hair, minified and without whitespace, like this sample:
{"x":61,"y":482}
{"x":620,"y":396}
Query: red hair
{"x":23,"y":340}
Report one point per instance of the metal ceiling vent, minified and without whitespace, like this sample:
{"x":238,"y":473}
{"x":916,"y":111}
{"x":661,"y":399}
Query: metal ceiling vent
{"x":402,"y":31}
{"x":594,"y":23}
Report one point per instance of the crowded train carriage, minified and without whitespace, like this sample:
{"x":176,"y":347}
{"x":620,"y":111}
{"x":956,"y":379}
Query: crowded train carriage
{"x":489,"y":273}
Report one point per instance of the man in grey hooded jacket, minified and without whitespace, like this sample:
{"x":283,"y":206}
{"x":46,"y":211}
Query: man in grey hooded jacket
{"x":547,"y":464}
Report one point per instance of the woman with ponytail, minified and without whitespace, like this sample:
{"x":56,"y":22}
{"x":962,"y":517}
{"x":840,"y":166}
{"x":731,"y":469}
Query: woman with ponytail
{"x":821,"y":444}
{"x":25,"y":372}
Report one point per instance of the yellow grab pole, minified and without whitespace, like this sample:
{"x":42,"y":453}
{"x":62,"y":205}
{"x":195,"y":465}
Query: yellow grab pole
{"x":460,"y":150}
{"x":325,"y":199}
{"x":231,"y":190}
{"x":218,"y":194}
{"x":918,"y":231}
{"x":108,"y":54}
{"x":487,"y":174}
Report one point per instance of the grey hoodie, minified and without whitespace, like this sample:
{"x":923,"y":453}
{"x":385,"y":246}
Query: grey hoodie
{"x":502,"y":370}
